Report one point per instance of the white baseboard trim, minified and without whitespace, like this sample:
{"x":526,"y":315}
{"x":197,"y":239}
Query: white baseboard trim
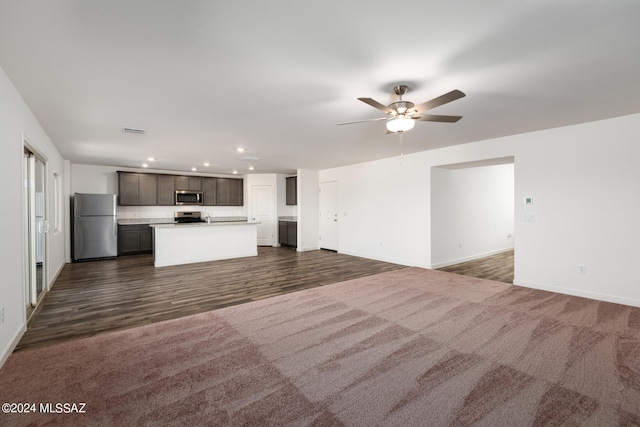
{"x":578,"y":293}
{"x":469,"y":258}
{"x":55,"y":276}
{"x":12,"y":345}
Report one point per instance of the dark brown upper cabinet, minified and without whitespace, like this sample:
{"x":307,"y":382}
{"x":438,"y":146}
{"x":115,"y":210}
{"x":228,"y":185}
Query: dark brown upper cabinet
{"x":292,"y":190}
{"x":149,"y":189}
{"x":209,"y":190}
{"x":137,"y":189}
{"x":229,"y":192}
{"x":166,"y":190}
{"x":191,"y":183}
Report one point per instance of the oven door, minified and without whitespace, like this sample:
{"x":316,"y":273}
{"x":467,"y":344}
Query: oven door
{"x":184,"y":197}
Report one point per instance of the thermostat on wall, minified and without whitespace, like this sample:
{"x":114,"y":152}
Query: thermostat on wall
{"x":528,"y":200}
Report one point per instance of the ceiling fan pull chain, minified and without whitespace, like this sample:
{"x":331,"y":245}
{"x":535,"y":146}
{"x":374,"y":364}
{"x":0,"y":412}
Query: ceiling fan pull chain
{"x":401,"y":147}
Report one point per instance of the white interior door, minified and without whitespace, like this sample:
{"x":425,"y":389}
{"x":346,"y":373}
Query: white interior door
{"x":329,"y":215}
{"x":263,"y":211}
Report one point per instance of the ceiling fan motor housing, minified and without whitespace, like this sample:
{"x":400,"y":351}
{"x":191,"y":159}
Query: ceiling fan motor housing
{"x":401,"y":107}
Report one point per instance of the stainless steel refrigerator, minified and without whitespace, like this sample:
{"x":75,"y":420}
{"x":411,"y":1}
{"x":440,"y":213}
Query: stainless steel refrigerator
{"x":95,"y":227}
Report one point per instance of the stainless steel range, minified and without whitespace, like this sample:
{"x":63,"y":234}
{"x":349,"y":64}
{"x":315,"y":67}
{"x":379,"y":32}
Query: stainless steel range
{"x":187,"y":217}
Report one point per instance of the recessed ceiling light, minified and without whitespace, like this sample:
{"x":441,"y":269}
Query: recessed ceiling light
{"x":151,"y":159}
{"x":240,"y":150}
{"x":144,"y":165}
{"x":250,"y":168}
{"x":235,"y":172}
{"x":207,"y":164}
{"x":194,"y":169}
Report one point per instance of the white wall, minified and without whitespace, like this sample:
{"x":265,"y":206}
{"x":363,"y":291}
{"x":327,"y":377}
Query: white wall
{"x":384,"y":209}
{"x":471,"y":212}
{"x":307,"y":210}
{"x":103,"y":179}
{"x":585,"y":182}
{"x":15,"y":120}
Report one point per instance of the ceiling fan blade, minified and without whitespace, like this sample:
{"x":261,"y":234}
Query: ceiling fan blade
{"x":438,"y":118}
{"x":376,"y":104}
{"x":441,"y":100}
{"x":364,"y":121}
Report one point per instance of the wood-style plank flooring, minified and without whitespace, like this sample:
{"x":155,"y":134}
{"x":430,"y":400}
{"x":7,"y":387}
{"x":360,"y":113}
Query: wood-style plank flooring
{"x":497,"y":267}
{"x":99,"y":296}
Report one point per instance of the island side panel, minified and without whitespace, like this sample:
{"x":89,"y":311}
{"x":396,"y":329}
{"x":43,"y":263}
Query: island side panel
{"x":174,"y":245}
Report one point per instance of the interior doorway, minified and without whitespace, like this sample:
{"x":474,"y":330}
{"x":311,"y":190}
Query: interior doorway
{"x":473,"y":216}
{"x":35,"y":230}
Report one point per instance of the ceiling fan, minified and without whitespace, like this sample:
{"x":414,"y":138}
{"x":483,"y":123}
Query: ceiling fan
{"x":403,"y":114}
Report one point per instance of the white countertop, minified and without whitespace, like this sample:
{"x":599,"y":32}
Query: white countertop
{"x":203,"y":224}
{"x":143,"y":221}
{"x":138,"y":221}
{"x":287,"y":219}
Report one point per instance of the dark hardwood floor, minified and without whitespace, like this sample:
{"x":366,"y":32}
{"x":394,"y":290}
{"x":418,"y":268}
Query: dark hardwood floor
{"x":497,"y":267}
{"x":99,"y":296}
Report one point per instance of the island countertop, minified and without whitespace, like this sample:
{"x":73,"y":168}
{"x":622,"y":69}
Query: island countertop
{"x":149,"y":221}
{"x":203,"y":224}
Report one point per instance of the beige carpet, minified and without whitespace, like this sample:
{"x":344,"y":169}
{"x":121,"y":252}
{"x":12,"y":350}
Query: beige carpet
{"x":410,"y":347}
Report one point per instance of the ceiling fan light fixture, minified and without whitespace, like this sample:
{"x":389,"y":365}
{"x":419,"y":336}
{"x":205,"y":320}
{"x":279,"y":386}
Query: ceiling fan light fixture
{"x":400,"y":124}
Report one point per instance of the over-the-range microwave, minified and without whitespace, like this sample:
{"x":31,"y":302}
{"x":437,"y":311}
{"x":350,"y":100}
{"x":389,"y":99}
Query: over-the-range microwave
{"x":185,"y":197}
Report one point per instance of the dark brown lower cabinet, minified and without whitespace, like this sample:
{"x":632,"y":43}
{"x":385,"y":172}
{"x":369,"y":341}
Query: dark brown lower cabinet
{"x":288,"y":233}
{"x":135,"y":239}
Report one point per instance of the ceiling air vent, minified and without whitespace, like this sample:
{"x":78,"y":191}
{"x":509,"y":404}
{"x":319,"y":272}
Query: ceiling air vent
{"x":250,"y":159}
{"x":132,"y":130}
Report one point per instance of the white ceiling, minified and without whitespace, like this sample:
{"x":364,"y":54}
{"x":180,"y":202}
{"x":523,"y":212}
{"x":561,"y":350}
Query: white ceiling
{"x":203,"y":77}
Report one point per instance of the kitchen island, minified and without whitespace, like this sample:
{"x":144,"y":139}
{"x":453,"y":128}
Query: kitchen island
{"x":175,"y":244}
